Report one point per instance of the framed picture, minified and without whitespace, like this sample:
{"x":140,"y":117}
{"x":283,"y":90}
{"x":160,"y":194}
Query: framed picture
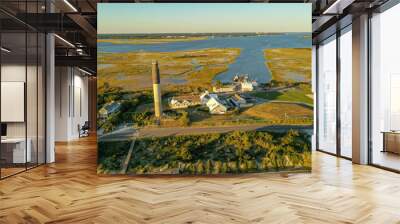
{"x":203,"y":89}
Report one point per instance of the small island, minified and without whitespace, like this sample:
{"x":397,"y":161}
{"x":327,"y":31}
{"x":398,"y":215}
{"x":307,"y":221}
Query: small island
{"x":168,"y":39}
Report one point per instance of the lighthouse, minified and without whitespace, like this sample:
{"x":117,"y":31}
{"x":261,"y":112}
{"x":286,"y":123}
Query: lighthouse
{"x":155,"y":73}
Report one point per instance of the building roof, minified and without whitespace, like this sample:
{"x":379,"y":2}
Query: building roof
{"x":110,"y":107}
{"x":191,"y":98}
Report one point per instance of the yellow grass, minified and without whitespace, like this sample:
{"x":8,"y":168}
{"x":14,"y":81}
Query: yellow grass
{"x":196,"y":68}
{"x":289,"y":64}
{"x":149,"y":40}
{"x":279,"y":111}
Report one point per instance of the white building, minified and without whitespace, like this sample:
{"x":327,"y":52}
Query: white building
{"x":108,"y":109}
{"x":184,"y":101}
{"x":216,"y":106}
{"x":225,"y":88}
{"x":206,"y":96}
{"x":244,"y":83}
{"x":213,"y":103}
{"x":246,"y":86}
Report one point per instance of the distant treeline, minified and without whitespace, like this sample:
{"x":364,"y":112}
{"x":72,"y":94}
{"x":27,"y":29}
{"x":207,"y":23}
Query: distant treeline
{"x":172,"y":35}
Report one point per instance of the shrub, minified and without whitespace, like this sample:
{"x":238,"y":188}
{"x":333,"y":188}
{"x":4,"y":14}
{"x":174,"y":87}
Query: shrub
{"x":243,"y":166}
{"x":208,"y":167}
{"x":199,"y":167}
{"x":224,"y":167}
{"x":232,"y":167}
{"x":214,"y":153}
{"x":217,"y":167}
{"x":184,"y":120}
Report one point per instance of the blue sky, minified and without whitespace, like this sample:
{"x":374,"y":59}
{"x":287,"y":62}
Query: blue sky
{"x":194,"y":18}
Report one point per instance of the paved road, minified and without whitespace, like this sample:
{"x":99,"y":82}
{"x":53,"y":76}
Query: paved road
{"x":126,"y":133}
{"x":130,"y":133}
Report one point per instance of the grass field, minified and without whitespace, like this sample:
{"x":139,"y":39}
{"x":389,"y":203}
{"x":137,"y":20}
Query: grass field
{"x":199,"y":118}
{"x":295,"y":94}
{"x":293,"y":113}
{"x":192,"y":69}
{"x":150,"y":40}
{"x":289,"y":64}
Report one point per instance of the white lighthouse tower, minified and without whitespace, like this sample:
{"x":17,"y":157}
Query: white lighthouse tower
{"x":156,"y":89}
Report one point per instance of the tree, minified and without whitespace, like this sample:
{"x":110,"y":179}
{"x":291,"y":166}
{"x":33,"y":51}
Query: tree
{"x":142,"y":118}
{"x":241,"y":143}
{"x":184,"y":153}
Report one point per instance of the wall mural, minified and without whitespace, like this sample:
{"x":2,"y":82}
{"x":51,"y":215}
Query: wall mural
{"x":204,"y":88}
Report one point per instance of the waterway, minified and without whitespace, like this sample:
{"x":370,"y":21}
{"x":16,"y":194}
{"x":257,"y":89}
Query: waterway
{"x":251,"y":60}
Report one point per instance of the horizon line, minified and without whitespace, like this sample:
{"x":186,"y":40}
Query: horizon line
{"x":207,"y":32}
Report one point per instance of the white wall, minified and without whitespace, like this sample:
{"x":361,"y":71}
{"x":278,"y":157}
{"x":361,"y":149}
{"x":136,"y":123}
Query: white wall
{"x":71,"y":102}
{"x":62,"y":81}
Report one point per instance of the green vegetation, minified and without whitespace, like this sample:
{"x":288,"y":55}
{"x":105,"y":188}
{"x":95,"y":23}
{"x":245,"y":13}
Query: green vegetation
{"x":180,"y":71}
{"x":204,"y":77}
{"x":235,"y":152}
{"x":149,"y":40}
{"x":289,"y":64}
{"x":111,"y":156}
{"x":125,"y":79}
{"x":286,"y":113}
{"x":300,"y":94}
{"x":137,"y":110}
{"x":184,"y":120}
{"x":130,"y":74}
{"x":127,"y":113}
{"x":141,"y":119}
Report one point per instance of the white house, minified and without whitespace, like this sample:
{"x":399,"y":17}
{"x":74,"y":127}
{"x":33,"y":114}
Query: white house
{"x":213,"y":103}
{"x":184,"y":101}
{"x":109,"y":108}
{"x":244,"y":83}
{"x":216,"y":106}
{"x":206,"y":96}
{"x":225,"y":88}
{"x":246,"y":86}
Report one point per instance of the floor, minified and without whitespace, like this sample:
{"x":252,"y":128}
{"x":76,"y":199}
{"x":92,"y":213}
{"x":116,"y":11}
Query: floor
{"x":10,"y":171}
{"x":386,"y":159}
{"x":5,"y":172}
{"x":69,"y":191}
